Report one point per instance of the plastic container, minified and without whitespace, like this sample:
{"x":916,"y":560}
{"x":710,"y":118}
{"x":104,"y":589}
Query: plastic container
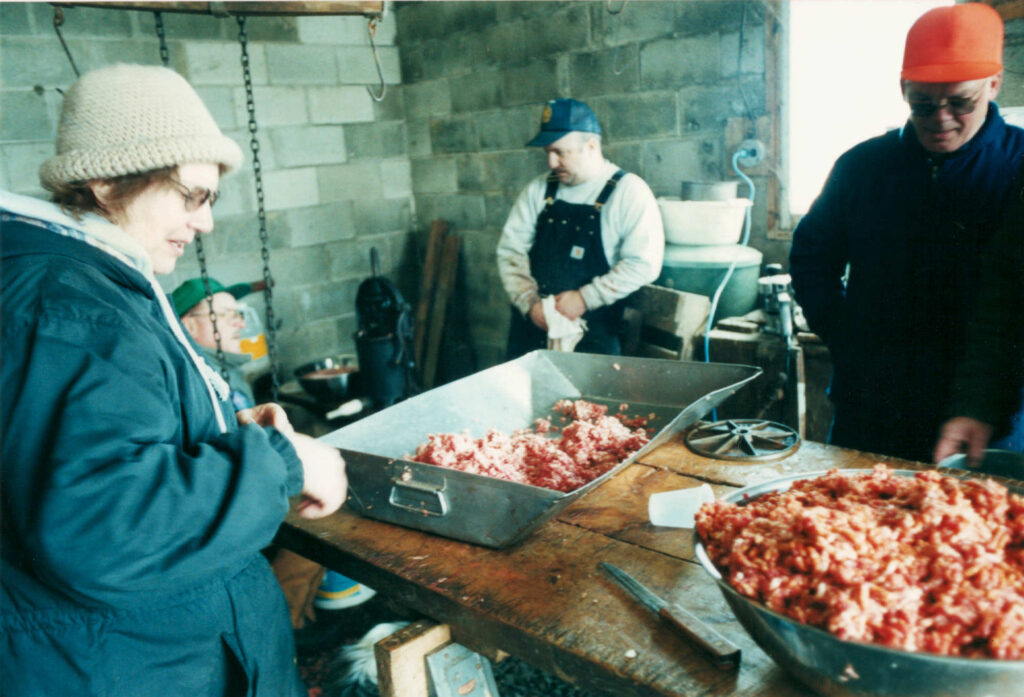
{"x":702,"y":222}
{"x":701,"y":269}
{"x":252,"y":338}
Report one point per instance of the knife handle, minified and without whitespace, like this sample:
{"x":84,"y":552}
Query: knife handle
{"x":724,"y":653}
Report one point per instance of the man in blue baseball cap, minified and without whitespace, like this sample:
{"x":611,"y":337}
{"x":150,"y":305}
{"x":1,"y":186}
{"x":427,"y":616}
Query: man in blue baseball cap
{"x":579,"y":240}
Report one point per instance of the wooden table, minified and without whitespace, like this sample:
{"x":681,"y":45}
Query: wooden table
{"x":546,"y":601}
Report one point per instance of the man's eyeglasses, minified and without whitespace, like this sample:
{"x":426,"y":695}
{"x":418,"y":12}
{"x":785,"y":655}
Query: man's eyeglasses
{"x":225,"y":316}
{"x":195,"y":198}
{"x":958,"y":106}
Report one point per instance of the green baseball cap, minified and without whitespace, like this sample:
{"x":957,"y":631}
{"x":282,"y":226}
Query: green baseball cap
{"x":188,"y":294}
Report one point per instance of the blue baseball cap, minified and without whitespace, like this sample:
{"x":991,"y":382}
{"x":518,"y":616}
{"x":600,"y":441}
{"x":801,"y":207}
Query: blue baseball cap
{"x":561,"y":117}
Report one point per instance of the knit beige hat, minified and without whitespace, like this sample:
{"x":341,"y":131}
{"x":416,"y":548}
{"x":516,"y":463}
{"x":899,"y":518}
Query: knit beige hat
{"x":127,"y":119}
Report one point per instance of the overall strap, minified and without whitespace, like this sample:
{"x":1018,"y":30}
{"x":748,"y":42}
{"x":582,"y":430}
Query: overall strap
{"x":606,"y":192}
{"x":551,"y":190}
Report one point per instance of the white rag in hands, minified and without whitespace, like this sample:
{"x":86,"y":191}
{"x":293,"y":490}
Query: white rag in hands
{"x":563,"y":333}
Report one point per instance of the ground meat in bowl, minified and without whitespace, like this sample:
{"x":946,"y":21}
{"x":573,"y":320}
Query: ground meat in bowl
{"x":924,"y":563}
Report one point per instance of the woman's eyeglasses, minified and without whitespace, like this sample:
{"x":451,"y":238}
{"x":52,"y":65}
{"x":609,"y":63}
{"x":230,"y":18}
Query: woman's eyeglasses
{"x":958,"y":106}
{"x":195,"y":198}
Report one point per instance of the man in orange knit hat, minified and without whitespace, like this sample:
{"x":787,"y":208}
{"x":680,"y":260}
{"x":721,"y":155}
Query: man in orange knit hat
{"x":885,"y":263}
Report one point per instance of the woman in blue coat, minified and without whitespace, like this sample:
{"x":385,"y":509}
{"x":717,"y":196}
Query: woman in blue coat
{"x":135,"y":502}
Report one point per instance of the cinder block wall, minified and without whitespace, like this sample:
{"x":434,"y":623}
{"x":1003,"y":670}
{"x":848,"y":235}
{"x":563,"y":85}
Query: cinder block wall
{"x":336,"y":175}
{"x":663,"y":78}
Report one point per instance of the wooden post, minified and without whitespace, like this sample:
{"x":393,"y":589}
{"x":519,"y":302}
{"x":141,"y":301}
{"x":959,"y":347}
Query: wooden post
{"x":435,"y":242}
{"x":442,"y":294}
{"x":401,"y":658}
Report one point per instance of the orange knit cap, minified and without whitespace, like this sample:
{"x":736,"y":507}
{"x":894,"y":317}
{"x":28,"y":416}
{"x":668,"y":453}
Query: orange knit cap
{"x":954,"y":44}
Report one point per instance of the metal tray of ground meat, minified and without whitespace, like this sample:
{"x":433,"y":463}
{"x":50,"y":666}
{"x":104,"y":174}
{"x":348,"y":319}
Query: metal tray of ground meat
{"x":838,"y":668}
{"x":495,"y":512}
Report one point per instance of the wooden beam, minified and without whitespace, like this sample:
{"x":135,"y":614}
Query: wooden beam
{"x":225,"y":9}
{"x":401,"y":658}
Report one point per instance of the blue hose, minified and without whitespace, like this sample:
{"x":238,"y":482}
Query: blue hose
{"x":732,"y":267}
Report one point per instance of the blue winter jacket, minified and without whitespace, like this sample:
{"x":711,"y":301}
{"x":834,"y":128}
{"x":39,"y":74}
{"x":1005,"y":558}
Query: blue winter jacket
{"x":912,"y":228}
{"x":132,"y":526}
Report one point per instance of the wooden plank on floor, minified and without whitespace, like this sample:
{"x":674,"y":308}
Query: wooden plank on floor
{"x":401,"y":658}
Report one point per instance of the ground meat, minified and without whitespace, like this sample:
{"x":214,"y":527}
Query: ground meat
{"x":925,"y":563}
{"x":590,"y":445}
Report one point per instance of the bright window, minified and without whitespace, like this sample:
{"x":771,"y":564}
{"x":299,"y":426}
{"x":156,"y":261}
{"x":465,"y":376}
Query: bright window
{"x":844,"y":67}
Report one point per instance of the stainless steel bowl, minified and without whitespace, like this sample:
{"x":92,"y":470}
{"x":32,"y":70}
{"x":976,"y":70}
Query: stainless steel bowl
{"x":328,"y":379}
{"x":832,"y":666}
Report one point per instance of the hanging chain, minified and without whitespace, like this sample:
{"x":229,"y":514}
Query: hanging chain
{"x":165,"y":58}
{"x":257,"y":170}
{"x":58,"y":20}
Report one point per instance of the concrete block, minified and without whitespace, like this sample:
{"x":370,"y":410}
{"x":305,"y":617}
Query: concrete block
{"x":565,"y":27}
{"x":675,"y":63}
{"x":392,"y":107}
{"x":302,"y":342}
{"x":509,"y":171}
{"x":221,"y":103}
{"x":317,"y":225}
{"x":470,"y":173}
{"x":421,"y":21}
{"x":14,"y":18}
{"x":711,"y":17}
{"x":469,"y":16}
{"x":275,"y":106}
{"x":179,"y":25}
{"x":515,"y":11}
{"x":237,"y":192}
{"x":396,"y":178}
{"x":323,"y":300}
{"x":301,"y":65}
{"x":1012,"y":91}
{"x":217,"y":63}
{"x":89,"y":21}
{"x":750,"y":60}
{"x":464,"y":211}
{"x":477,"y":91}
{"x":29,"y":61}
{"x":387,"y":215}
{"x":450,"y":135}
{"x":21,"y":163}
{"x":350,"y":260}
{"x":436,"y":175}
{"x":102,"y":53}
{"x":637,"y":116}
{"x":299,"y":265}
{"x":356,"y":65}
{"x":339,"y":105}
{"x":508,"y":129}
{"x":417,"y":138}
{"x":708,"y":107}
{"x":421,"y":61}
{"x":628,"y":156}
{"x":667,"y":163}
{"x":308,"y":145}
{"x":643,"y":21}
{"x":496,"y":210}
{"x":427,"y":98}
{"x":375,"y":140}
{"x":276,"y":28}
{"x":506,"y":44}
{"x":349,"y":31}
{"x":25,"y":116}
{"x":350,"y":182}
{"x":290,"y":188}
{"x":535,"y":82}
{"x":611,"y":71}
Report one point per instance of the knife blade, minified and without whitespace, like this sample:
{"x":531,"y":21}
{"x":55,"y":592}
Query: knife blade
{"x":723,"y":652}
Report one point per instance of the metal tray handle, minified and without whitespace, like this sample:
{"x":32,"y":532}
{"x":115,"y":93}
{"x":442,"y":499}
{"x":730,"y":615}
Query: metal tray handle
{"x":418,"y":497}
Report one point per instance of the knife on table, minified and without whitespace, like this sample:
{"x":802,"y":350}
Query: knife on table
{"x":723,"y":652}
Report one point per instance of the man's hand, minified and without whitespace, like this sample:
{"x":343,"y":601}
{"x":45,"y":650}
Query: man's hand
{"x":571,"y":304}
{"x":268,"y":414}
{"x":963,"y":434}
{"x":324,"y":484}
{"x":537,"y":316}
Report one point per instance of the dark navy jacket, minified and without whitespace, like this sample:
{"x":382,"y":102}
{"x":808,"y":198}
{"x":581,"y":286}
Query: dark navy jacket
{"x":131,"y":525}
{"x":912,"y":229}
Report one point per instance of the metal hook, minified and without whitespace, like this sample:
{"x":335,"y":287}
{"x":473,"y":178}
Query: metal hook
{"x":371,"y":28}
{"x":608,"y":6}
{"x":58,"y":20}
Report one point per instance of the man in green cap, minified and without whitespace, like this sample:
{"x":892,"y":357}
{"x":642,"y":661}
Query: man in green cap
{"x":203,"y":324}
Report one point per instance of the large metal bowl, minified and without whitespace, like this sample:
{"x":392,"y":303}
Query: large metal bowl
{"x":327,"y":379}
{"x":834,"y":667}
